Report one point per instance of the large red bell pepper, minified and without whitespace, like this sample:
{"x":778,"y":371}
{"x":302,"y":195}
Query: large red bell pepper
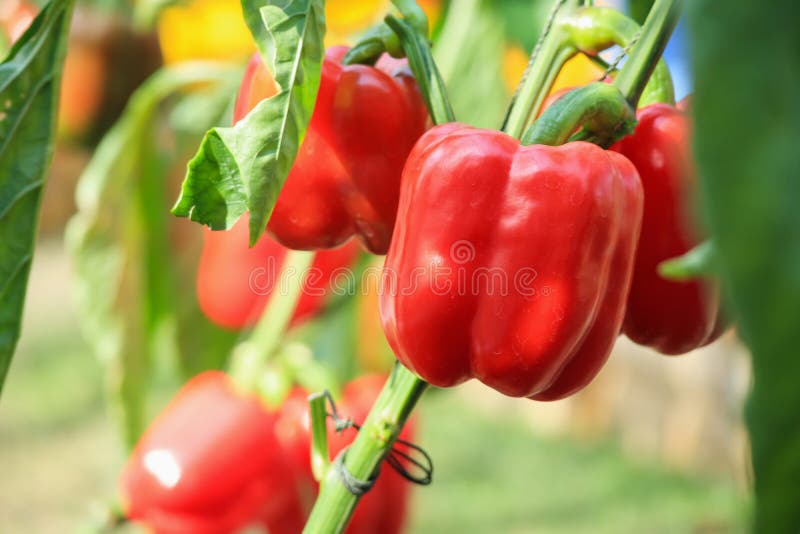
{"x":670,"y":316}
{"x":346,"y":178}
{"x":234,"y":281}
{"x":510,"y":263}
{"x":211,"y":464}
{"x":383,"y":509}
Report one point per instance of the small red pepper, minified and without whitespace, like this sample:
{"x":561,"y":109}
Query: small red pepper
{"x":383,"y":509}
{"x":346,"y":178}
{"x":670,"y":316}
{"x":510,"y":264}
{"x":234,"y":281}
{"x":211,"y":464}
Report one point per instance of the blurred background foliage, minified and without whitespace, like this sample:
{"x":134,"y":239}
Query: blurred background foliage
{"x":654,"y":445}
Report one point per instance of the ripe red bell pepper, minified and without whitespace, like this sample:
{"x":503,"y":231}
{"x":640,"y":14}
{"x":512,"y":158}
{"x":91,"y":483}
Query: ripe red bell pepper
{"x":510,"y":264}
{"x":346,"y":178}
{"x":383,"y":508}
{"x":211,"y":464}
{"x":234,"y":281}
{"x":670,"y":316}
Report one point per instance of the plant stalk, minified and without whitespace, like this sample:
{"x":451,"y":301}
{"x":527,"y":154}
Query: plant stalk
{"x":642,"y":61}
{"x":335,"y":504}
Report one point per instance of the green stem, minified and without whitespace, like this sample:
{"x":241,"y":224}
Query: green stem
{"x":654,"y":36}
{"x":575,"y":29}
{"x":335,"y":504}
{"x":599,"y":107}
{"x":382,"y":38}
{"x":320,"y":456}
{"x":251,"y":356}
{"x":550,"y":54}
{"x":420,"y":59}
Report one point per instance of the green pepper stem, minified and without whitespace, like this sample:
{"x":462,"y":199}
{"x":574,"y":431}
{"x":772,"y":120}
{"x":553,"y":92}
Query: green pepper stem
{"x":575,"y":29}
{"x":655,"y":34}
{"x":382,"y":38}
{"x":251,"y":356}
{"x":335,"y":503}
{"x":420,"y":59}
{"x":599,"y":107}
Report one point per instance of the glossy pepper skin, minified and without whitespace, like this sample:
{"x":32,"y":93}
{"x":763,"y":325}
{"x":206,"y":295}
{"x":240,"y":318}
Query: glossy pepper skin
{"x":383,"y":509}
{"x":211,"y":464}
{"x":557,"y":226}
{"x":234,"y":281}
{"x":346,"y":178}
{"x":671,"y":317}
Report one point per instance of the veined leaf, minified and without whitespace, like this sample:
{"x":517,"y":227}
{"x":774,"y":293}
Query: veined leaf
{"x":30,"y":78}
{"x":243,"y":168}
{"x":747,"y":133}
{"x":119,"y":241}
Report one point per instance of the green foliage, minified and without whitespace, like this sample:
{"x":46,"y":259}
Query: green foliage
{"x":29,"y":81}
{"x":243,"y":168}
{"x":639,"y":9}
{"x":469,"y":52}
{"x":747,"y":133}
{"x":130,"y":288}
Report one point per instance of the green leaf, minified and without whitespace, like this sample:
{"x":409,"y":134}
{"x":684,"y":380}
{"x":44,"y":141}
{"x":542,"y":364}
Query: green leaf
{"x":469,"y":54}
{"x":747,"y":132}
{"x":29,"y":81}
{"x":126,"y":265}
{"x":243,"y":168}
{"x":639,"y":9}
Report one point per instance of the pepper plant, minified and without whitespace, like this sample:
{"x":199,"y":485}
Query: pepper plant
{"x":583,"y":201}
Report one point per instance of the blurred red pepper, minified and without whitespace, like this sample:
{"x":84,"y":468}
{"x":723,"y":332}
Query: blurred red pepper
{"x":670,"y":316}
{"x":346,"y":178}
{"x":217,"y":460}
{"x":15,"y":17}
{"x":383,"y":509}
{"x":234,"y":281}
{"x":510,"y":263}
{"x":211,"y":464}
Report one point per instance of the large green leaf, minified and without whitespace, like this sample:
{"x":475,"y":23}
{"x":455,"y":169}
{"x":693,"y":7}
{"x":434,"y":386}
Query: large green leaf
{"x":29,"y":81}
{"x":469,"y":54}
{"x":243,"y":168}
{"x":125,"y":263}
{"x":747,"y":133}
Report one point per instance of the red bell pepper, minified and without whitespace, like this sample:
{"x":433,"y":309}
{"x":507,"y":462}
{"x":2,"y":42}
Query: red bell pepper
{"x":211,"y":464}
{"x":234,"y":281}
{"x":670,"y":316}
{"x":346,"y":178}
{"x":383,"y":508}
{"x":510,"y":263}
{"x":217,"y":460}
